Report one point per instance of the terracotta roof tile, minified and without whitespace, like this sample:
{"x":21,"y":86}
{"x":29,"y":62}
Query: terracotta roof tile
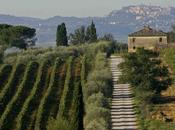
{"x":147,"y":31}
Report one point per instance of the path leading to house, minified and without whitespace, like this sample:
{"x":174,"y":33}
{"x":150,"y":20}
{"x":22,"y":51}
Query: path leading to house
{"x":123,"y":116}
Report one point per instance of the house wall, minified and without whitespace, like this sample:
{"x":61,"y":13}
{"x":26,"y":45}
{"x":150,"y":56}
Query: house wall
{"x":146,"y":42}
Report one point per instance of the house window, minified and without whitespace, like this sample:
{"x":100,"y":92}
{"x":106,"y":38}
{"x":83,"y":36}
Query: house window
{"x":134,"y":47}
{"x":134,"y":39}
{"x":160,"y":39}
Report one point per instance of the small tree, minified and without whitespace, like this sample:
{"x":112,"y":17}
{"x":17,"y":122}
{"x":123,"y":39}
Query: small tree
{"x":107,"y":37}
{"x":171,"y":35}
{"x":144,"y":70}
{"x":61,"y":35}
{"x":91,"y":33}
{"x":78,"y":37}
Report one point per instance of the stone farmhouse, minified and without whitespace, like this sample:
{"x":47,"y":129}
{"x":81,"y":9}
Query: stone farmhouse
{"x":148,"y":38}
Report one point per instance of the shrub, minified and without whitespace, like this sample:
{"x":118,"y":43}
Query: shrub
{"x":58,"y":124}
{"x":97,"y":124}
{"x":159,"y":125}
{"x":152,"y":76}
{"x":97,"y":93}
{"x":94,"y":112}
{"x":99,"y":81}
{"x":77,"y":108}
{"x":98,"y":100}
{"x":43,"y":103}
{"x":64,"y":99}
{"x":5,"y":71}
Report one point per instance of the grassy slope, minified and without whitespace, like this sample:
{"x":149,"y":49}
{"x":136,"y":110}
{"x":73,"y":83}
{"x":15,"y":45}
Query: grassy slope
{"x":168,"y":107}
{"x":39,"y":55}
{"x":149,"y":115}
{"x":162,"y":116}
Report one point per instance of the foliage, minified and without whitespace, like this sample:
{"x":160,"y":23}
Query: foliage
{"x":55,"y":93}
{"x":71,"y":104}
{"x":120,"y":47}
{"x":95,"y":113}
{"x":97,"y":124}
{"x":78,"y":37}
{"x":58,"y":124}
{"x":159,"y":125}
{"x":5,"y":71}
{"x":41,"y":109}
{"x":143,"y":69}
{"x":107,"y":37}
{"x":91,"y":33}
{"x":100,"y":79}
{"x":99,"y":100}
{"x":98,"y":88}
{"x":77,"y":108}
{"x":63,"y":110}
{"x":17,"y":100}
{"x":171,"y":35}
{"x":148,"y":77}
{"x":18,"y":36}
{"x":32,"y":97}
{"x":62,"y":35}
{"x":1,"y":55}
{"x":13,"y":81}
{"x":26,"y":109}
{"x":83,"y":35}
{"x":168,"y":54}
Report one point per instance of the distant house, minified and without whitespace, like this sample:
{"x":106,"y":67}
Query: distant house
{"x":148,"y":38}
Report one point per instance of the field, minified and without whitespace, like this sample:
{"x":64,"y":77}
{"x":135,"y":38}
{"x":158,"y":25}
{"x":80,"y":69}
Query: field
{"x":39,"y":87}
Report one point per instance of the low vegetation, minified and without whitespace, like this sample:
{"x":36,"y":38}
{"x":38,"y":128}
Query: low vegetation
{"x":55,"y":88}
{"x":149,"y":78}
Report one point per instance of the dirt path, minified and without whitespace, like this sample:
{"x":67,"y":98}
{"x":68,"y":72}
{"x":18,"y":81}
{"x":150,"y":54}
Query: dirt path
{"x":123,"y":116}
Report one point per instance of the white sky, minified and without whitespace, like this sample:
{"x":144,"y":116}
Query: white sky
{"x":79,"y":8}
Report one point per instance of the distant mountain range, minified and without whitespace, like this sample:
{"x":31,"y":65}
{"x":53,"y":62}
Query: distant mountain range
{"x":119,"y":22}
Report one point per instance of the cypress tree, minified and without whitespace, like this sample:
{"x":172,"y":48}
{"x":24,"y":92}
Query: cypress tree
{"x":91,"y":33}
{"x":62,"y":35}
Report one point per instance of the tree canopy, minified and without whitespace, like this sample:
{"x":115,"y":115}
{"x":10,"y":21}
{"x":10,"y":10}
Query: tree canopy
{"x":61,"y":35}
{"x":91,"y":33}
{"x":17,"y":36}
{"x":144,"y":70}
{"x":79,"y":36}
{"x":84,"y":35}
{"x":171,"y":34}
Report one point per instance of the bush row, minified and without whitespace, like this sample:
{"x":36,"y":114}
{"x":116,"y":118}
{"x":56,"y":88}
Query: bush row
{"x":77,"y":108}
{"x":71,"y":105}
{"x":44,"y":99}
{"x":9,"y":89}
{"x":53,"y":98}
{"x":63,"y":109}
{"x":97,"y":93}
{"x":5,"y":71}
{"x":61,"y":52}
{"x":21,"y":121}
{"x":16,"y":102}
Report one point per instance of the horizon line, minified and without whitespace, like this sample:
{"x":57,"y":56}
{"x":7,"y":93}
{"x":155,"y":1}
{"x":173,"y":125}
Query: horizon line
{"x":105,"y":15}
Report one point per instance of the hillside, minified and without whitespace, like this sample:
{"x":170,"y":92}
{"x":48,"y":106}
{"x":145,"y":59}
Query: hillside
{"x":39,"y":87}
{"x":118,"y":22}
